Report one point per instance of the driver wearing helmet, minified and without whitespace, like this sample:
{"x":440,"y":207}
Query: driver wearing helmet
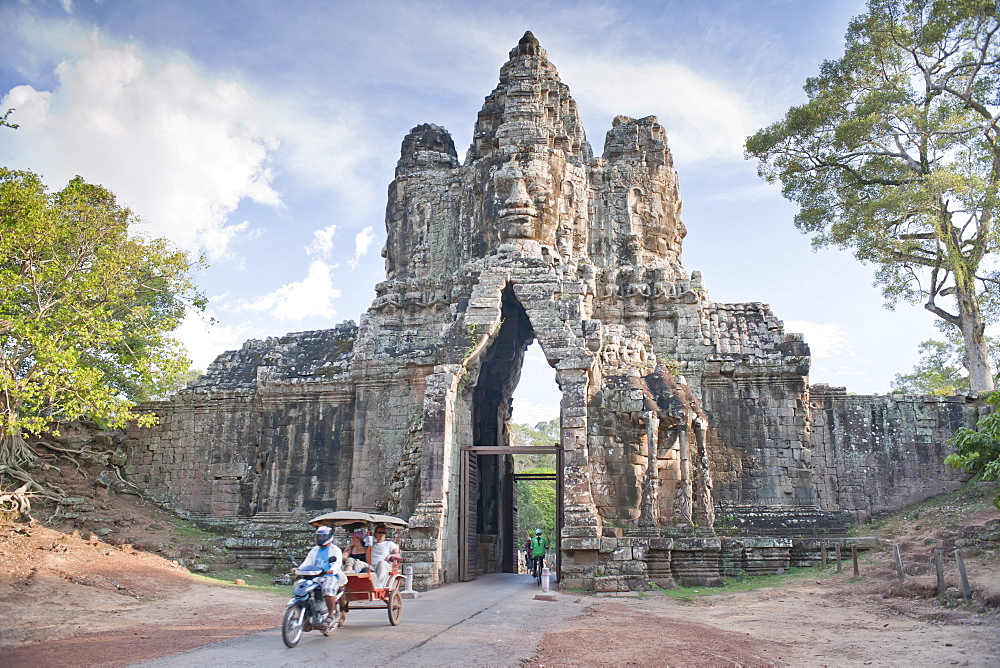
{"x":327,"y":556}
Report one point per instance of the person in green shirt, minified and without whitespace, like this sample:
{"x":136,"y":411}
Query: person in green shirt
{"x":539,"y":546}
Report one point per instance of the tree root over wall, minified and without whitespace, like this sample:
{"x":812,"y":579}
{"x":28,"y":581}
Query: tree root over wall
{"x":21,"y":462}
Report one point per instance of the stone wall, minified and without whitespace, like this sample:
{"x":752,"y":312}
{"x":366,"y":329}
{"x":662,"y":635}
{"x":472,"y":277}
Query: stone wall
{"x":674,"y":409}
{"x":268,"y":430}
{"x":875,"y":454}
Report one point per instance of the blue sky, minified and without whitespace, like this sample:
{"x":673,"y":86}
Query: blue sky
{"x":264,"y":134}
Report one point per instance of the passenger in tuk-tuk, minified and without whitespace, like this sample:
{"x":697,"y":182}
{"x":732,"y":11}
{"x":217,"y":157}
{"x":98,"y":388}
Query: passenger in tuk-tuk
{"x":356,"y":554}
{"x":383,"y":553}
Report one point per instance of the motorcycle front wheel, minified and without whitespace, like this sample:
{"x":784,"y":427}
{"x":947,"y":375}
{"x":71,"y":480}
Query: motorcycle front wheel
{"x":291,"y":626}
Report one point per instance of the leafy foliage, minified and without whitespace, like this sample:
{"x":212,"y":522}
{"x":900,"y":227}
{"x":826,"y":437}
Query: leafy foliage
{"x":536,"y":499}
{"x":162,"y":391}
{"x":939,"y":370}
{"x":536,"y":506}
{"x":543,"y":434}
{"x":85,"y":311}
{"x":977,"y":451}
{"x":5,"y":123}
{"x":896,"y":155}
{"x":85,"y":306}
{"x":935,"y":373}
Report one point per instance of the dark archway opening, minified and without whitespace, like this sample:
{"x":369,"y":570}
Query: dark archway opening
{"x":495,"y":503}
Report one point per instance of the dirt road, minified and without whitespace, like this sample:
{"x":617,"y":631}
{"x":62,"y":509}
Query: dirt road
{"x":827,"y":623}
{"x":494,"y":620}
{"x":68,"y":598}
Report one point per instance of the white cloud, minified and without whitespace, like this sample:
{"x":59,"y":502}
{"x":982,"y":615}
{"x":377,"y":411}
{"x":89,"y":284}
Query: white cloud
{"x":204,"y":341}
{"x":304,"y":299}
{"x":531,"y":413}
{"x":537,"y":396}
{"x":704,"y":119}
{"x":327,"y":146}
{"x":825,"y":341}
{"x":753,"y":193}
{"x":362,"y":242}
{"x":322,"y":242}
{"x":180,"y":150}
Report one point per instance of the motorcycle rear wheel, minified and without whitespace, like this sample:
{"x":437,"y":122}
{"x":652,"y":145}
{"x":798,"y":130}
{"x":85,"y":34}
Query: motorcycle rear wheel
{"x":292,"y":625}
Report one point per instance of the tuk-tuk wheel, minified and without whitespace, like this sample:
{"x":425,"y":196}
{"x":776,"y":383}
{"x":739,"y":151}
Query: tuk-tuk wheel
{"x":395,"y":606}
{"x":344,"y":608}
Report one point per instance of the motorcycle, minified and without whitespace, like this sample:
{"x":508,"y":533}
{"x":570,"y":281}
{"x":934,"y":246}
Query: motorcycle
{"x":306,"y":609}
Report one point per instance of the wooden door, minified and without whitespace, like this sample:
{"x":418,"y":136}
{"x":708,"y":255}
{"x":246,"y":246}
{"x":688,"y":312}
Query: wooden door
{"x":468,"y":536}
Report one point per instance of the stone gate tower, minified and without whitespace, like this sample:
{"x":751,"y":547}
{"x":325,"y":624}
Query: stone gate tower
{"x":534,"y":237}
{"x":673,"y":407}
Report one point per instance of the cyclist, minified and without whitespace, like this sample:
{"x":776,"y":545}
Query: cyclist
{"x":539,"y":546}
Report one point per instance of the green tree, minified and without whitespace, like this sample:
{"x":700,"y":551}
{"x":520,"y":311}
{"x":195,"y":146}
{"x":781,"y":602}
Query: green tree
{"x":536,"y":499}
{"x":939,"y":370}
{"x":85,"y":312}
{"x":935,"y":373}
{"x":977,"y":451}
{"x":543,"y":434}
{"x":536,"y":506}
{"x":896,"y":155}
{"x":5,"y":123}
{"x":180,"y":382}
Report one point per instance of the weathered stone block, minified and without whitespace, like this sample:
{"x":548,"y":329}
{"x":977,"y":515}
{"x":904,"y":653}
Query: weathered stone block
{"x":591,"y":543}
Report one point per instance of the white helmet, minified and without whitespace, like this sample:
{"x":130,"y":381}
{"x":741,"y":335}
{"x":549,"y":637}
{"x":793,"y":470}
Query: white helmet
{"x":324,"y":536}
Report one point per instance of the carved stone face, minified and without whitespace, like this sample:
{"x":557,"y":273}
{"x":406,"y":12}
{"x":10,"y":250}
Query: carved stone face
{"x":526,"y":190}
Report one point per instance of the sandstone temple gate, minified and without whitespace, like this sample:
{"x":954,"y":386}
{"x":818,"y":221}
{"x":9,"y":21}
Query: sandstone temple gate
{"x":679,"y":415}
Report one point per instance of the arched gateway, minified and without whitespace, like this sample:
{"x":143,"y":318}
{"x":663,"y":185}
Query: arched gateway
{"x":673,"y":407}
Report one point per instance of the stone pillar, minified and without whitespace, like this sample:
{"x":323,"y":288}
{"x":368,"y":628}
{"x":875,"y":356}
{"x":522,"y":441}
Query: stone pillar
{"x":704,"y":508}
{"x":649,"y":506}
{"x":581,"y":531}
{"x":431,"y":545}
{"x":683,"y":502}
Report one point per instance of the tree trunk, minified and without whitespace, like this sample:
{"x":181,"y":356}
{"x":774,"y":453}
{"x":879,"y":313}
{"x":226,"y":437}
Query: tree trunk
{"x":970,"y":321}
{"x":970,"y":315}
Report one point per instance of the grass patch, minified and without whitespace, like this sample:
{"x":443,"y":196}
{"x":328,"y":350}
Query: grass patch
{"x":746,"y":583}
{"x":253,"y":580}
{"x":938,"y":512}
{"x":188,"y":532}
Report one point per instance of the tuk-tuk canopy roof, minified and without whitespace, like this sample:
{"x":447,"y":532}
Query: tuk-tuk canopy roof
{"x":345,"y":517}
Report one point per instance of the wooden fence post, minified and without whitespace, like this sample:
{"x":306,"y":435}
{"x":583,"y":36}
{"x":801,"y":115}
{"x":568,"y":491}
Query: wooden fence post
{"x":939,"y":566}
{"x":966,"y":589}
{"x":899,"y":561}
{"x":854,"y":558}
{"x":840,"y":567}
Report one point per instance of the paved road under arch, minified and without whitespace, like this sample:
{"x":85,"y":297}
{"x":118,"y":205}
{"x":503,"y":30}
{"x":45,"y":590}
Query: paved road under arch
{"x":494,"y":620}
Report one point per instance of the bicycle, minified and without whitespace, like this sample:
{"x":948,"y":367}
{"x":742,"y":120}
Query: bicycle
{"x":537,"y":564}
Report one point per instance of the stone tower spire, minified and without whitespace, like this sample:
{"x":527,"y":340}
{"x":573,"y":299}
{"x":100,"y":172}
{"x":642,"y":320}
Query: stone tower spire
{"x":530,"y":109}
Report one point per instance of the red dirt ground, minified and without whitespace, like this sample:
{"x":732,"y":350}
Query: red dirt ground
{"x":68,"y":598}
